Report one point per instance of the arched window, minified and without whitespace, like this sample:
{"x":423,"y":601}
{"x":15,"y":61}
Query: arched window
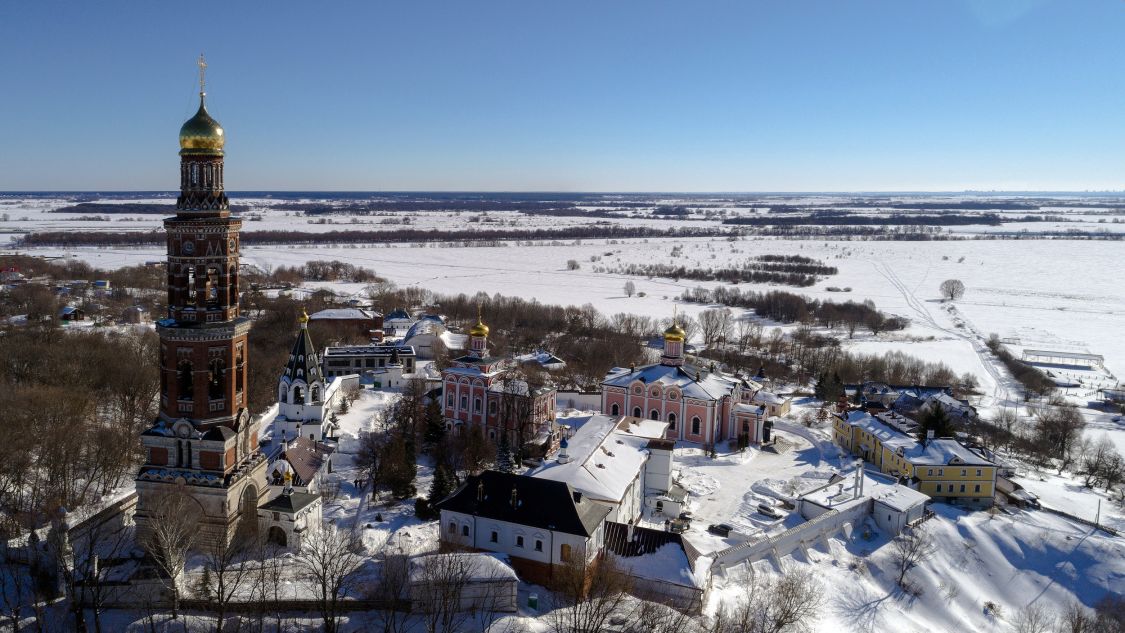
{"x":672,"y":421}
{"x":636,"y":412}
{"x":185,"y":380}
{"x":695,"y":426}
{"x":476,"y":405}
{"x":191,"y":285}
{"x":298,"y":395}
{"x":654,"y":414}
{"x":614,"y":410}
{"x":217,"y":367}
{"x":212,"y":284}
{"x":281,"y":392}
{"x":240,"y":367}
{"x":314,"y":393}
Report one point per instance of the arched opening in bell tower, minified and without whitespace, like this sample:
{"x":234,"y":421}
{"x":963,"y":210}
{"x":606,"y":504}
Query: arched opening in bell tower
{"x":215,"y":385}
{"x":185,"y":380}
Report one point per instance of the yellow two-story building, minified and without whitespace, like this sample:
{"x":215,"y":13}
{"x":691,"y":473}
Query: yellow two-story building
{"x":942,"y":468}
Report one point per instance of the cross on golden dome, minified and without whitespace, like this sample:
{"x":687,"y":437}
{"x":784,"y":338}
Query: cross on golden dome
{"x":202,"y":74}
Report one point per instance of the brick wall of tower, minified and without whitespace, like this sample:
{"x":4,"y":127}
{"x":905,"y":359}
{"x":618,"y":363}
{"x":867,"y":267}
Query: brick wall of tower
{"x":202,"y":402}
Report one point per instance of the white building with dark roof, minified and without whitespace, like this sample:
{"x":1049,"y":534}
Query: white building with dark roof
{"x":540,"y":524}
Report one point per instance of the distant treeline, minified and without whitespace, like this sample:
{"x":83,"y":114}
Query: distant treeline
{"x":139,"y":208}
{"x":960,"y":205}
{"x":367,"y":207}
{"x":790,"y":270}
{"x":402,"y":235}
{"x":787,"y":307}
{"x":844,"y":218}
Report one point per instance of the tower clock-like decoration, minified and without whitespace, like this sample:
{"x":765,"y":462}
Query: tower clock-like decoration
{"x":204,"y":444}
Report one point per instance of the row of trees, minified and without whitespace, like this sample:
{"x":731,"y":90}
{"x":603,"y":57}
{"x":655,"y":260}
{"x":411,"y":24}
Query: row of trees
{"x":1033,"y":381}
{"x":787,"y":307}
{"x":359,"y":236}
{"x":792,"y":271}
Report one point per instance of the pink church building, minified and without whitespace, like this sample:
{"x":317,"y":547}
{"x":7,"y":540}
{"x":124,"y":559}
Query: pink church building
{"x":478,"y":389}
{"x":700,"y":405}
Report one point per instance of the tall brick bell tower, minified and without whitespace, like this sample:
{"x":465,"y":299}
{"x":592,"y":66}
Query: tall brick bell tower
{"x":204,"y":444}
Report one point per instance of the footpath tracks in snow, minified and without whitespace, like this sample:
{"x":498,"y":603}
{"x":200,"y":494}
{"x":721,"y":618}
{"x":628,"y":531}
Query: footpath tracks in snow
{"x":1000,"y":392}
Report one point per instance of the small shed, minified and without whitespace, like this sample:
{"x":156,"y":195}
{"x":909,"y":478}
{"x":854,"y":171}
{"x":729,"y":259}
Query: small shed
{"x":72,"y":313}
{"x":463,"y":581}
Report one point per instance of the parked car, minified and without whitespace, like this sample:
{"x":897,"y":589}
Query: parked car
{"x":769,"y":510}
{"x":720,"y":529}
{"x":679,"y":526}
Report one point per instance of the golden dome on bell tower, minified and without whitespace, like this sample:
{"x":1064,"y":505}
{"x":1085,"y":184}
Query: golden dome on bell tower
{"x":202,"y":134}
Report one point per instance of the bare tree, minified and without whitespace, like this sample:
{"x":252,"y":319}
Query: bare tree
{"x":330,"y":558}
{"x":910,"y":549}
{"x":229,"y":571}
{"x":438,"y":583}
{"x":1076,"y":618}
{"x":715,"y":325}
{"x":787,"y":604}
{"x":1034,"y":618}
{"x":630,"y":288}
{"x":172,"y":530}
{"x":587,"y":594}
{"x":952,"y":289}
{"x":393,"y":585}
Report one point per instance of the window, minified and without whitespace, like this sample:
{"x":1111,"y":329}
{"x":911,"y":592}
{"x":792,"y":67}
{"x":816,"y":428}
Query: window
{"x":465,"y":402}
{"x":564,"y":552}
{"x":449,"y":400}
{"x":538,"y":545}
{"x":962,"y":487}
{"x":492,"y":408}
{"x":930,"y":472}
{"x":276,"y":517}
{"x":654,"y":414}
{"x":519,"y":541}
{"x":938,"y":488}
{"x":452,"y":527}
{"x":614,"y":410}
{"x":184,"y":379}
{"x":494,"y":537}
{"x":671,"y":420}
{"x":978,"y":472}
{"x":636,"y":412}
{"x":464,"y":530}
{"x":695,"y":426}
{"x":964,"y":472}
{"x":976,"y":488}
{"x":215,"y":380}
{"x":476,"y":405}
{"x":941,"y":472}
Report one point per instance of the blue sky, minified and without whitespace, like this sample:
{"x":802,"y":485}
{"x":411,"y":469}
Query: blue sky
{"x":610,"y":95}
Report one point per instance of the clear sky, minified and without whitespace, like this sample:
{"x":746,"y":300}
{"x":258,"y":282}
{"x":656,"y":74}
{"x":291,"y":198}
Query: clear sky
{"x":606,"y":95}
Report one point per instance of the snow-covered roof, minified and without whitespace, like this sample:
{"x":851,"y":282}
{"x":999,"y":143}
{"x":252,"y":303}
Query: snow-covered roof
{"x":453,"y":341}
{"x":398,"y":314}
{"x":768,"y":397}
{"x":476,"y":566}
{"x":425,"y":326}
{"x":605,"y":455}
{"x":342,"y":314}
{"x":938,"y":452}
{"x":709,"y":386}
{"x":842,"y":493}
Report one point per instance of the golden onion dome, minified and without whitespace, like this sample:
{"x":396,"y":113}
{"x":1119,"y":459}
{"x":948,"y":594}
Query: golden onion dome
{"x":480,"y":329}
{"x":303,"y":319}
{"x":202,"y":134}
{"x":675,"y":333}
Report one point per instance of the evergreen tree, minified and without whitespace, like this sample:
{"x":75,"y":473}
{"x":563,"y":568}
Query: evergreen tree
{"x":441,"y":486}
{"x":434,"y":433}
{"x":504,"y":461}
{"x":934,"y":418}
{"x":343,"y":405}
